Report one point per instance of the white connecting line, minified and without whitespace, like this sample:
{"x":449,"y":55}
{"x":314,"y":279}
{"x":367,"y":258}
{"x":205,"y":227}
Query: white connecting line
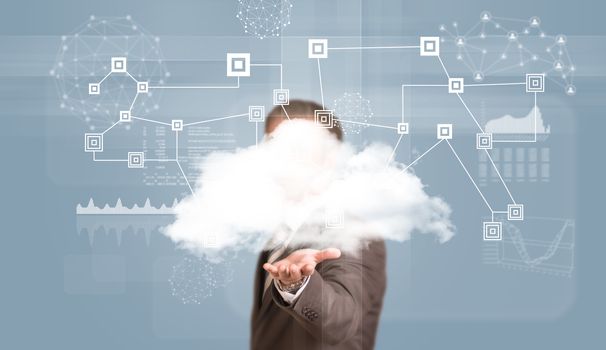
{"x":422,"y":155}
{"x":237,"y":86}
{"x":373,"y":47}
{"x":469,"y":175}
{"x":392,"y":155}
{"x":321,"y":88}
{"x":216,"y":119}
{"x":184,"y":125}
{"x":394,"y":150}
{"x":368,"y":124}
{"x":176,"y":159}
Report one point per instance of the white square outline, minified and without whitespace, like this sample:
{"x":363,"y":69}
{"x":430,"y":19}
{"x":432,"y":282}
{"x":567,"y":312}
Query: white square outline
{"x":128,"y":116}
{"x":529,"y":78}
{"x":452,"y":82}
{"x":142,"y":87}
{"x":131,"y":164}
{"x":329,"y":215}
{"x":116,"y":60}
{"x":91,"y":86}
{"x":86,"y":143}
{"x":276,"y":94}
{"x":311,"y":43}
{"x":481,"y":135}
{"x":427,"y":40}
{"x":318,"y":113}
{"x":487,"y":225}
{"x":403,"y":128}
{"x":239,"y":56}
{"x":511,"y":207}
{"x":439,"y":134}
{"x":252,"y":118}
{"x":176,"y":125}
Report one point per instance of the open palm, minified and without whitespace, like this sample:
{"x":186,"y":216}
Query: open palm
{"x":299,"y":263}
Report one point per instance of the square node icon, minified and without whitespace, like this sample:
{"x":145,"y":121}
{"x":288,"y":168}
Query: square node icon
{"x":210,"y":240}
{"x":493,"y":231}
{"x":176,"y":125}
{"x":317,"y":48}
{"x":238,"y":64}
{"x":136,"y":160}
{"x":515,"y":212}
{"x":430,"y":46}
{"x":403,"y":128}
{"x":256,"y":113}
{"x":323,"y":118}
{"x":535,"y":82}
{"x":334,"y":218}
{"x":118,"y":64}
{"x":456,"y":85}
{"x":143,"y":87}
{"x":93,"y":142}
{"x":484,"y":141}
{"x":125,"y":116}
{"x":281,"y":97}
{"x":94,"y":89}
{"x":444,"y":131}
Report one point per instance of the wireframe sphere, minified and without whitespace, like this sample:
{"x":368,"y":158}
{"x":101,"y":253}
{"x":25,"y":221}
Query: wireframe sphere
{"x":264,"y":18}
{"x":353,"y":111}
{"x":85,"y":56}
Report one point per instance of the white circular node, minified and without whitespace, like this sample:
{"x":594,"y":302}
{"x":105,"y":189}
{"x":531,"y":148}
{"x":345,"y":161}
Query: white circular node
{"x":478,"y":76}
{"x":460,"y":41}
{"x":558,"y":65}
{"x":512,"y":36}
{"x":561,"y":39}
{"x":485,"y":16}
{"x":571,"y":90}
{"x":535,"y":21}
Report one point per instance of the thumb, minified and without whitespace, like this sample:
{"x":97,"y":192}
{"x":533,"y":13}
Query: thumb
{"x":327,"y":254}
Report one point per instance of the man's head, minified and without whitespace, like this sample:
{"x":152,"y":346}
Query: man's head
{"x":298,"y":109}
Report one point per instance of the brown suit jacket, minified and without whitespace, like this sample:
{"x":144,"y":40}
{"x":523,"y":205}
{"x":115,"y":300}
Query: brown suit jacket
{"x":338,"y":309}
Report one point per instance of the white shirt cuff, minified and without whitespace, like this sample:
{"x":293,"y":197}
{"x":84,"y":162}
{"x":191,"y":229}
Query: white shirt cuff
{"x":290,"y":298}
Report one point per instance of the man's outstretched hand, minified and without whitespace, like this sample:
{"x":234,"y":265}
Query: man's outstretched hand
{"x":299,"y":263}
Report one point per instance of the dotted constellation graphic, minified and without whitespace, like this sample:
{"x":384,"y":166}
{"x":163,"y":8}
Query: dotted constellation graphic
{"x":497,"y":45}
{"x":195,"y":279}
{"x":354,"y":107}
{"x":264,"y":18}
{"x":239,"y":65}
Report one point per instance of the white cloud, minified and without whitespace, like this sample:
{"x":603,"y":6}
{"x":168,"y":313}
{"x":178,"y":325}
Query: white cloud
{"x":288,"y":183}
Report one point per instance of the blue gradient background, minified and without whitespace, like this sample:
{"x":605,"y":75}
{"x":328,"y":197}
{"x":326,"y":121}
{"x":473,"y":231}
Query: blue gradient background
{"x":439,"y":297}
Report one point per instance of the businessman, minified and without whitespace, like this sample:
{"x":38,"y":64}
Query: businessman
{"x":316,"y":299}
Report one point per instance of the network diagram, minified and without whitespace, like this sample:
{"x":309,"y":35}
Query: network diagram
{"x":516,"y":40}
{"x":238,"y":65}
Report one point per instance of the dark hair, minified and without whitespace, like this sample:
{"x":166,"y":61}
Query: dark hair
{"x":299,"y":109}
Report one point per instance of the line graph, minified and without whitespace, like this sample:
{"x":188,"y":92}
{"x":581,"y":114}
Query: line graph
{"x":545,"y":247}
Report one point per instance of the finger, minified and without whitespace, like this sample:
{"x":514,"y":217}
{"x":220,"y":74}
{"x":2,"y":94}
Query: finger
{"x":295,"y":272}
{"x":327,"y":254}
{"x":270,"y":268}
{"x":282,"y":273}
{"x":307,"y":270}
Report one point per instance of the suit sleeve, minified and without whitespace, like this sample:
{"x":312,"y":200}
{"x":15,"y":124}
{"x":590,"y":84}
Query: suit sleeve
{"x":331,"y":306}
